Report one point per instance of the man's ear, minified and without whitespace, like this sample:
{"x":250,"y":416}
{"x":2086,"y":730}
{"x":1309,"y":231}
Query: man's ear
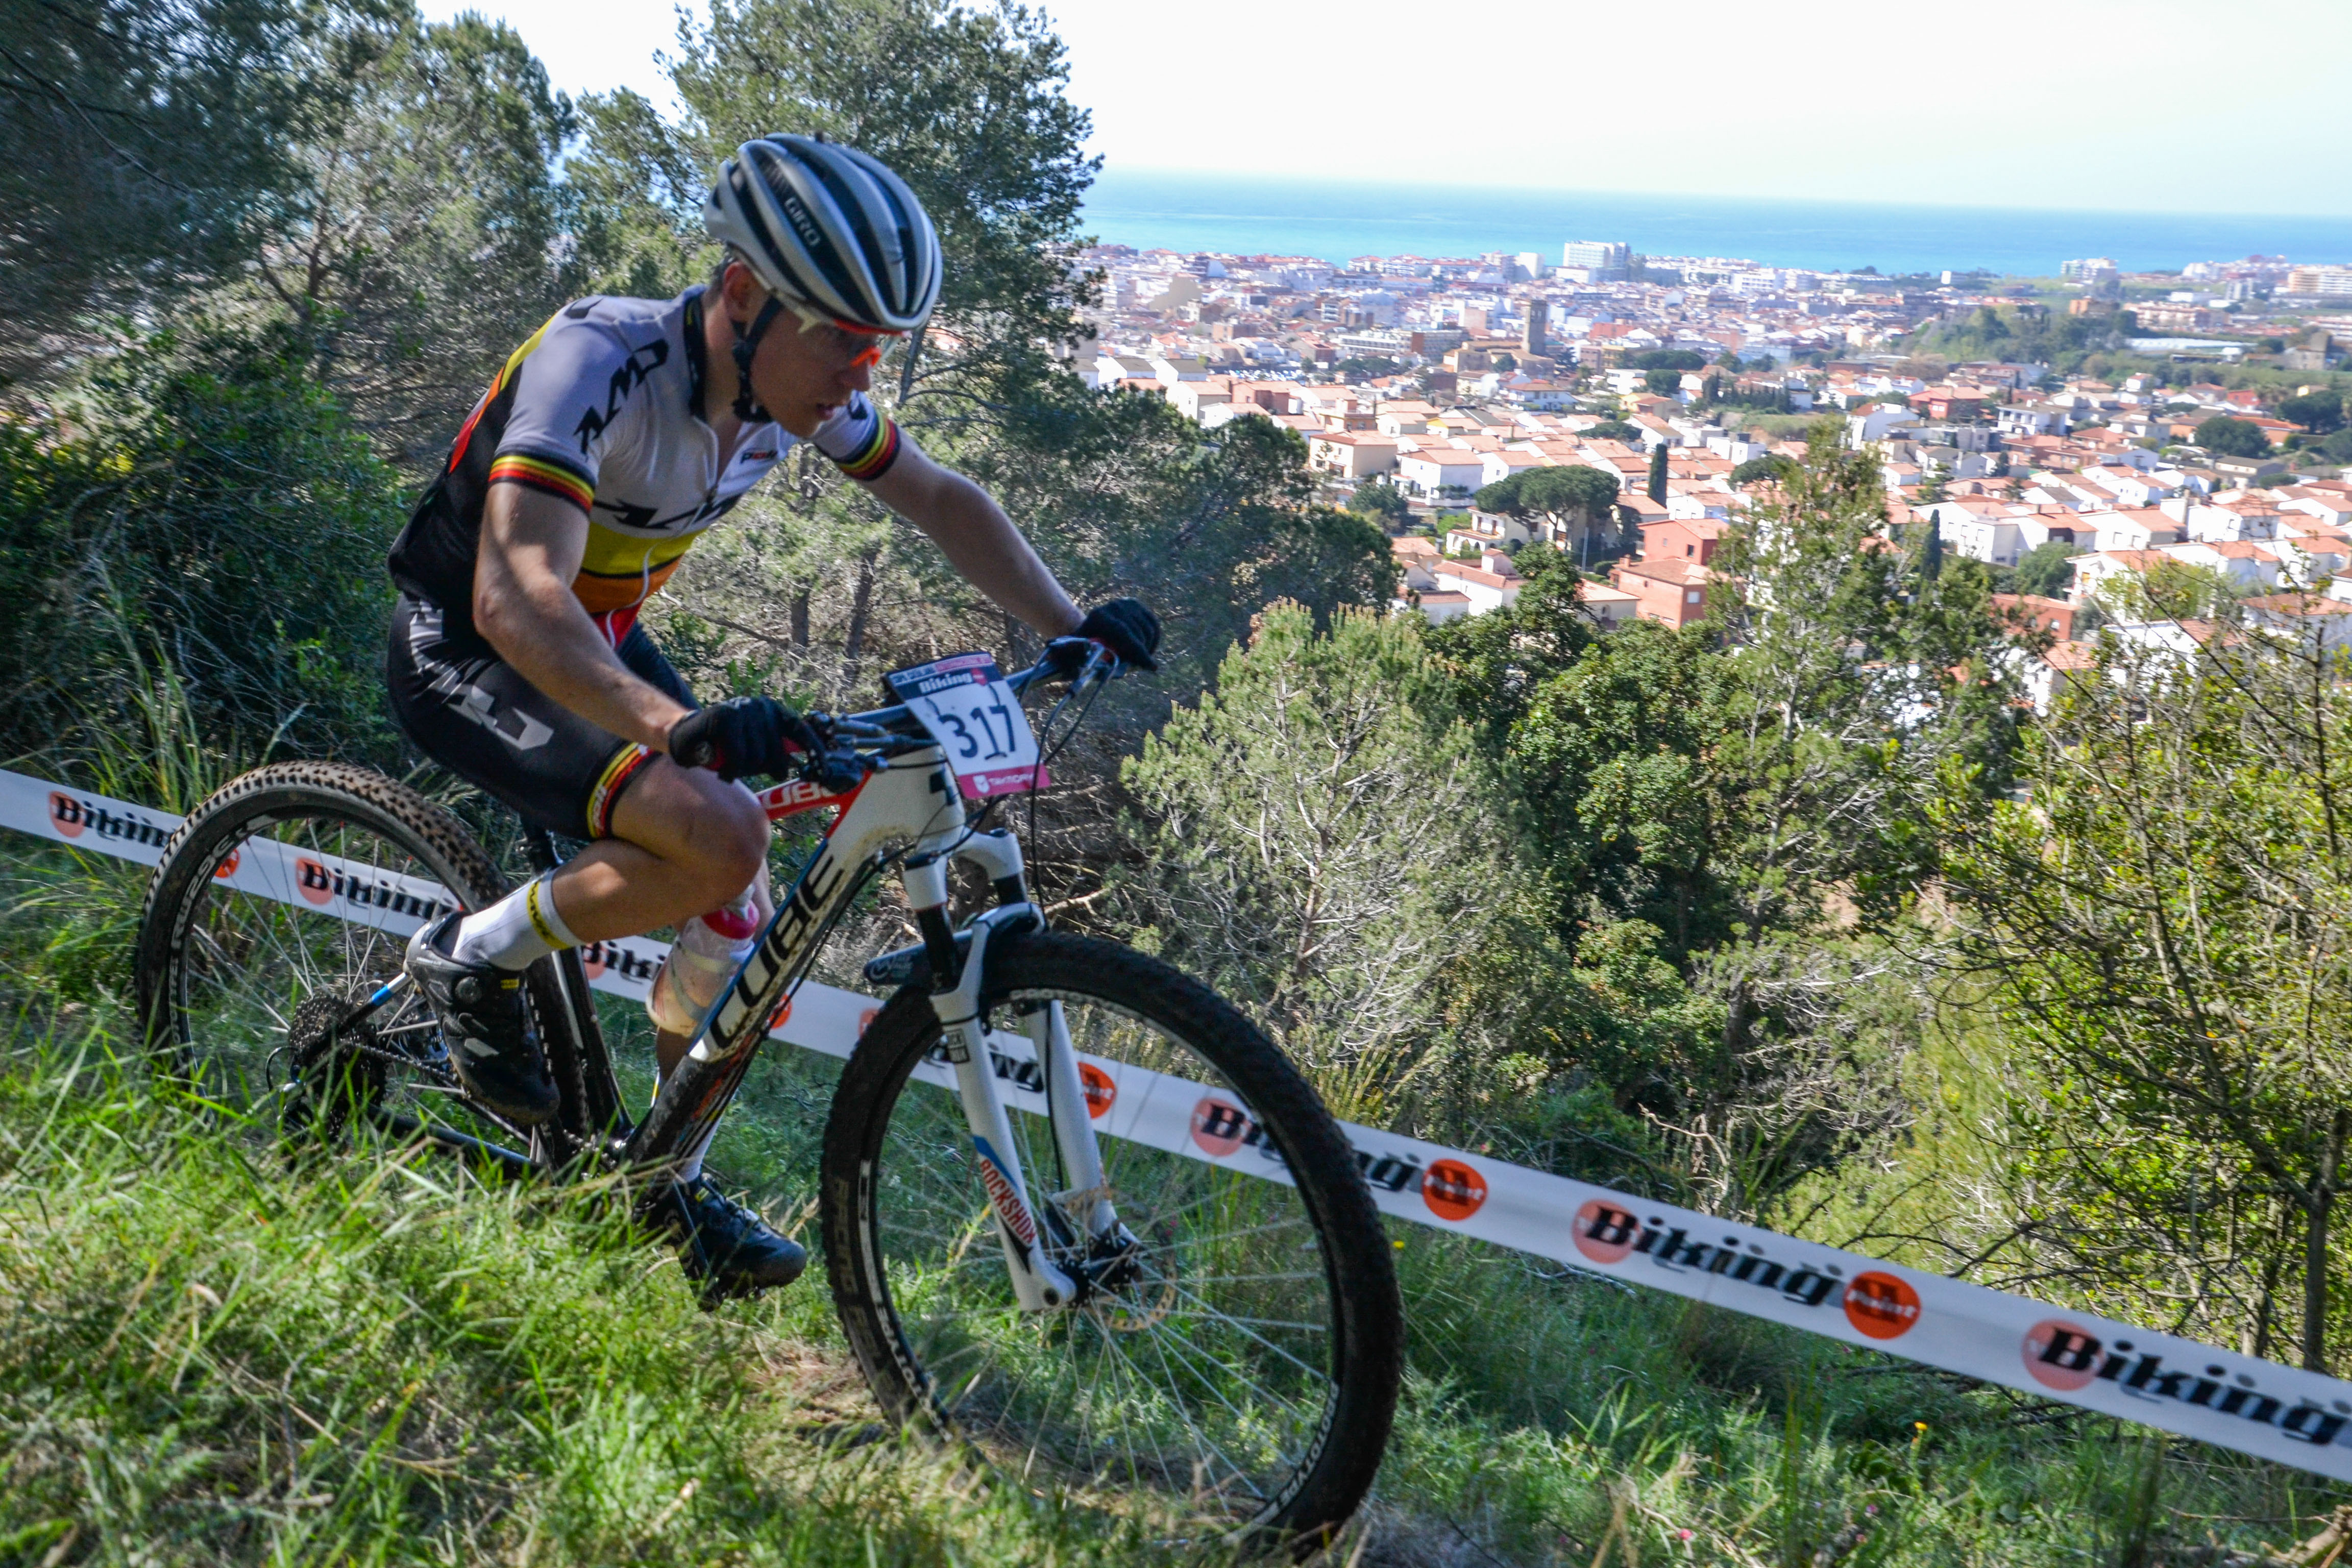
{"x":741,"y":290}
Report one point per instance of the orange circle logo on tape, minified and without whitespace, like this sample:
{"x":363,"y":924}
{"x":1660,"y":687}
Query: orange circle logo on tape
{"x":1881,"y":1306}
{"x":1099,"y":1090}
{"x":2061,"y":1355}
{"x":592,"y":960}
{"x":1453,"y":1190}
{"x":65,"y":814}
{"x":311,"y":879}
{"x":227,"y":868}
{"x":866,"y":1018}
{"x":1603,"y":1232}
{"x":1219,"y":1127}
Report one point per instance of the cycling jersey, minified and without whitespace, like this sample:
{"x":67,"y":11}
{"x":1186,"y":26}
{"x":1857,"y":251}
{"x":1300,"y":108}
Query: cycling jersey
{"x":603,"y":407}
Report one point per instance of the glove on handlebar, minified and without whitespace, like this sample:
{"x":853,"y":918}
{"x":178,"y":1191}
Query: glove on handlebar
{"x":1125,"y":627}
{"x":743,"y":735}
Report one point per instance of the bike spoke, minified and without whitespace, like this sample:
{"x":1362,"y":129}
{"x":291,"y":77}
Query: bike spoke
{"x":265,"y":963}
{"x":1192,"y":1375}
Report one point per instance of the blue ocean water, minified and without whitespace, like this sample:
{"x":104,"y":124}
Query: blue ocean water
{"x":1336,"y":220}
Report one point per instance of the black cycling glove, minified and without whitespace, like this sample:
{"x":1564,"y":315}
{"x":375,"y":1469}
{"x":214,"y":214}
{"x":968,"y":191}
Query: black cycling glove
{"x":1126,"y":628}
{"x":743,"y":735}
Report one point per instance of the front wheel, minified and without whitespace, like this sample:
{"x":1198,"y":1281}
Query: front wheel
{"x":1233,"y":1374}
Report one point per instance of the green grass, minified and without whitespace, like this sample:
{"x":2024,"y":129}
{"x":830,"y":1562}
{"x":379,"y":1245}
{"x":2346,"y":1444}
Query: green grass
{"x":211,"y":1353}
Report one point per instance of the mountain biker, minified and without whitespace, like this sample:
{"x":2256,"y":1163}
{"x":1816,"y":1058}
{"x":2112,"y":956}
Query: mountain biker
{"x":621,"y":430}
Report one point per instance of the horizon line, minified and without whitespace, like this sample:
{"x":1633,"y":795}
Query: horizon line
{"x":2138,"y":210}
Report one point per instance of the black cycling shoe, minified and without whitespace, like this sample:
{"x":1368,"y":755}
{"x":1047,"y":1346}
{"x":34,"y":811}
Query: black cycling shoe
{"x":724,"y":1246}
{"x":487,"y":1026}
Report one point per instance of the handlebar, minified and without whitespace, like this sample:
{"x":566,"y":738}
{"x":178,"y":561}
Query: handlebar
{"x":895,"y":728}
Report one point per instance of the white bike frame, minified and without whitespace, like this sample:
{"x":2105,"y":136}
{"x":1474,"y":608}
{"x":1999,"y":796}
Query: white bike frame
{"x":909,"y":805}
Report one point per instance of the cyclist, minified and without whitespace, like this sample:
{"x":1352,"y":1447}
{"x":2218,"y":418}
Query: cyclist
{"x":621,"y":430}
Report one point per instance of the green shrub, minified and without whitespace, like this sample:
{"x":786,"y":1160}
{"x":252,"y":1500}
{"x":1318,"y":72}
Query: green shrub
{"x":207,"y":501}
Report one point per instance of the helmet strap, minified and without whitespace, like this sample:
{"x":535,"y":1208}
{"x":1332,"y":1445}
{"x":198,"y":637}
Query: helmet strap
{"x":747,"y":340}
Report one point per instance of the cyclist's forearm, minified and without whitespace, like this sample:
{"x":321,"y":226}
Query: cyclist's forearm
{"x":558,"y":649}
{"x":978,"y":540}
{"x":531,"y":547}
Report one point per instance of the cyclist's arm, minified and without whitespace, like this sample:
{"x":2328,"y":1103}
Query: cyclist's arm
{"x":978,"y":540}
{"x":531,"y":551}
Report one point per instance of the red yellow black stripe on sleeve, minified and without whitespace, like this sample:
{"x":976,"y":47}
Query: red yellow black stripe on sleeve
{"x":874,"y":459}
{"x":516,"y":468}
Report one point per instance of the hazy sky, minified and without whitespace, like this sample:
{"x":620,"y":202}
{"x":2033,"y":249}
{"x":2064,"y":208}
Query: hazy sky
{"x":2081,"y":103}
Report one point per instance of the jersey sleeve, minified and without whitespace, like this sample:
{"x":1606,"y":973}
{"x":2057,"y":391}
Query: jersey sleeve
{"x":860,"y":438}
{"x":572,"y":389}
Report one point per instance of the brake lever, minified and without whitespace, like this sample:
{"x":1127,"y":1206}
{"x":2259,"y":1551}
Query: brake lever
{"x":836,"y":772}
{"x":837,"y":767}
{"x":1096,"y":658}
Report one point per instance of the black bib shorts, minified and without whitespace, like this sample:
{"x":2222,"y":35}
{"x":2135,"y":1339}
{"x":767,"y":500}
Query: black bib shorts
{"x":475,"y":714}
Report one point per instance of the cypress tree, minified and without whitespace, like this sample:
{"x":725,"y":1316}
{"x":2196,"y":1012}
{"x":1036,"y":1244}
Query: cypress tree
{"x":1658,"y":473}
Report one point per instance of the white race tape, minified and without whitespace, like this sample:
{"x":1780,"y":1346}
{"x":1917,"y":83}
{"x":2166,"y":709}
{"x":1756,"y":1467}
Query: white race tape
{"x":2298,"y":1418}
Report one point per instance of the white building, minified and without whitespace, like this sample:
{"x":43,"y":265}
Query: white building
{"x":1493,"y":585}
{"x":1980,"y":530}
{"x":1861,"y":429}
{"x":1351,"y":454}
{"x":2143,"y":528}
{"x":1440,"y":471}
{"x":2232,"y":515}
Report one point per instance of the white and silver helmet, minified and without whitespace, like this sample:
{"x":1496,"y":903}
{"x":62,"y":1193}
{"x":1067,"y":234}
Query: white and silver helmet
{"x":829,"y":227}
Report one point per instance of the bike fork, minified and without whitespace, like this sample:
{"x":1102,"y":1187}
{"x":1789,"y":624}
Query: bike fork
{"x":1038,"y":1282}
{"x":1089,"y":1199}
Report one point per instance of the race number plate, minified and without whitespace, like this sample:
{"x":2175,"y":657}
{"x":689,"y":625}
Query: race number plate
{"x":965,"y":704}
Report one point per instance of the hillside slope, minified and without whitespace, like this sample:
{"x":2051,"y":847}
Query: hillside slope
{"x":209,"y":1352}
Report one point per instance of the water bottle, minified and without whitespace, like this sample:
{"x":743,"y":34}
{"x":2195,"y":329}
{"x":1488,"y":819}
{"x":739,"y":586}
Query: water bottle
{"x":709,"y":951}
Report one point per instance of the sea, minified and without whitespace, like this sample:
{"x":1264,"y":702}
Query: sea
{"x":1336,"y":220}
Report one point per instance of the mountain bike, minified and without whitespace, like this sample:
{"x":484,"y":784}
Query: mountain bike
{"x":1077,"y":1213}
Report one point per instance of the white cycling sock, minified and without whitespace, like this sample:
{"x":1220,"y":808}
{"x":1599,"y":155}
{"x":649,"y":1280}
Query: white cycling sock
{"x":518,"y":931}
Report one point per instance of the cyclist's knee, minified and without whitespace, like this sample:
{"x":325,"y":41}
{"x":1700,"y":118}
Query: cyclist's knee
{"x":714,"y":832}
{"x":731,"y":840}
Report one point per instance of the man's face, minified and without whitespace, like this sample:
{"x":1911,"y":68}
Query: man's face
{"x":800,"y":374}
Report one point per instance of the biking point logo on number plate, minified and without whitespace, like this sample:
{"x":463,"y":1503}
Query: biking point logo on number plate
{"x":976,"y":718}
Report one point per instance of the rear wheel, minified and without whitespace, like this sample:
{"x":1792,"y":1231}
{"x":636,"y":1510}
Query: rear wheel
{"x":281,"y":906}
{"x":1233,"y":1374}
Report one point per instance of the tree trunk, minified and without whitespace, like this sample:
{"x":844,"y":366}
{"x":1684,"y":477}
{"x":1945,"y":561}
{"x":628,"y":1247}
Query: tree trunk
{"x":801,"y":618}
{"x":859,"y":603}
{"x":2314,"y":1248}
{"x":2257,"y":1343}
